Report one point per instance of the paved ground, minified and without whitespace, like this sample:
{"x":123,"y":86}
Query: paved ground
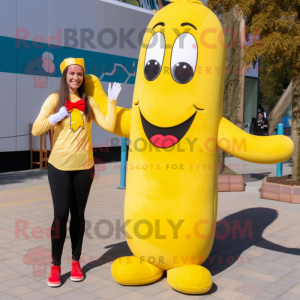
{"x":263,"y":266}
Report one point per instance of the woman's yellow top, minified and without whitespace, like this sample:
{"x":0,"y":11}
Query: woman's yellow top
{"x":73,"y":150}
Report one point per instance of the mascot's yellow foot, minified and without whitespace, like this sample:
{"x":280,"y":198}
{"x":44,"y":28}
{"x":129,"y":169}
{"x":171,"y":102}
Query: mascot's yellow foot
{"x":130,"y":270}
{"x":191,"y":279}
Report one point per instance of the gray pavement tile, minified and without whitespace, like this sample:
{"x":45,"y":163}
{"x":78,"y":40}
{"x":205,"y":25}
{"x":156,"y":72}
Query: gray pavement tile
{"x":133,"y":295}
{"x":268,"y":295}
{"x":97,"y":285}
{"x":150,"y":290}
{"x":150,"y":298}
{"x":257,"y":261}
{"x":277,"y":288}
{"x":13,"y":283}
{"x":249,"y":289}
{"x":288,"y":260}
{"x":294,"y":280}
{"x":230,"y":275}
{"x":254,"y":281}
{"x":277,"y":266}
{"x":295,"y":274}
{"x":37,"y":285}
{"x":76,"y":296}
{"x":111,"y":293}
{"x":3,"y":251}
{"x":289,"y":296}
{"x":278,"y":274}
{"x":119,"y":298}
{"x":36,"y":295}
{"x":257,"y":268}
{"x":3,"y":287}
{"x":8,"y":297}
{"x":287,"y":283}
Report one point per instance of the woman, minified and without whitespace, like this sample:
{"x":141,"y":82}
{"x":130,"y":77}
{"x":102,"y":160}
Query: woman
{"x":71,"y":166}
{"x":261,"y":125}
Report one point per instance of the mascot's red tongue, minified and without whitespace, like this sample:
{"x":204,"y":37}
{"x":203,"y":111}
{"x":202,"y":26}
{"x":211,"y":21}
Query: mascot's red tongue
{"x":161,"y":141}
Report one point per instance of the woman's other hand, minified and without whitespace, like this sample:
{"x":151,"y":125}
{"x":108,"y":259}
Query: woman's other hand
{"x":60,"y":115}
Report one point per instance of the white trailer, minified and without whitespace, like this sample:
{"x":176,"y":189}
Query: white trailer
{"x":36,"y":35}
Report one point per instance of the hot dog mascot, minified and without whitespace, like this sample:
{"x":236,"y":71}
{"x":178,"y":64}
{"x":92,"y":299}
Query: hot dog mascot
{"x":170,"y":207}
{"x":70,"y":113}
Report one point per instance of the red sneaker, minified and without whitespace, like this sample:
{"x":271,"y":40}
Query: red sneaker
{"x":76,"y":273}
{"x":54,"y":278}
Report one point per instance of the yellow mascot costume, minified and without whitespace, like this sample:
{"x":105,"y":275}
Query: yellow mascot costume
{"x":176,"y":125}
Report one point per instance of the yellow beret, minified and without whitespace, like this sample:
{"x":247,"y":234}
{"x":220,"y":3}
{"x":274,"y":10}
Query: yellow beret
{"x":71,"y":61}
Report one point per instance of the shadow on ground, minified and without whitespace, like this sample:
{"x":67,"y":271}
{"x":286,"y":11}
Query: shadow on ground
{"x":254,"y":176}
{"x":238,"y":232}
{"x":234,"y":234}
{"x":22,"y":176}
{"x":288,"y":162}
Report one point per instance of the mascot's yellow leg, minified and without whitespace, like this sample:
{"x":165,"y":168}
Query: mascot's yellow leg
{"x":130,"y":270}
{"x":192,"y":279}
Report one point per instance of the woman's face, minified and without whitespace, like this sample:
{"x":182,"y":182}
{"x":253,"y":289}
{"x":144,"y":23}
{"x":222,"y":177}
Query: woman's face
{"x":74,"y":76}
{"x":260,"y":116}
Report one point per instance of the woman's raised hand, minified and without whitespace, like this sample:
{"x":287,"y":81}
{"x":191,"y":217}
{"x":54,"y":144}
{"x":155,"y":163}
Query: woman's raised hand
{"x":114,"y":91}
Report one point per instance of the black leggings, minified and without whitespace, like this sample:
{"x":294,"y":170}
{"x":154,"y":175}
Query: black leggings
{"x":70,"y":191}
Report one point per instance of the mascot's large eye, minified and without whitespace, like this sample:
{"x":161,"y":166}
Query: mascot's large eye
{"x":154,"y":56}
{"x":184,"y":58}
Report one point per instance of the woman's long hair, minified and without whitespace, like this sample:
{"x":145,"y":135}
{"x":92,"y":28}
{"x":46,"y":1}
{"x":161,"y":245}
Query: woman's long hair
{"x":64,"y":91}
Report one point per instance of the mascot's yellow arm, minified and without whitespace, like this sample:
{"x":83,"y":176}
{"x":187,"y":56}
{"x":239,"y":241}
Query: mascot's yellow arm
{"x":94,"y":89}
{"x":252,"y":148}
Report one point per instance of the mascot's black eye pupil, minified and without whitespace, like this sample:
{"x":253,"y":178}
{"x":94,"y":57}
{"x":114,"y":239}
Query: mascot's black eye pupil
{"x":152,"y":69}
{"x":182,"y":72}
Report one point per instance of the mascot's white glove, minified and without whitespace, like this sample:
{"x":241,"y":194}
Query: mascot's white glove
{"x":114,"y":91}
{"x":62,"y":113}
